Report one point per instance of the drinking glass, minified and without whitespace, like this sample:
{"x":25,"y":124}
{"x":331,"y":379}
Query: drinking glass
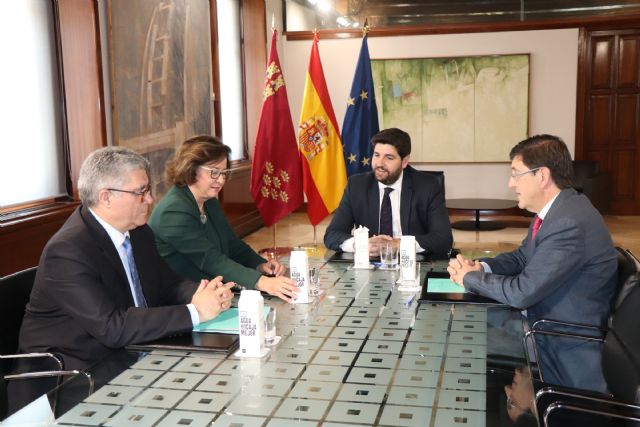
{"x":314,"y":282}
{"x":389,"y":256}
{"x":270,"y":327}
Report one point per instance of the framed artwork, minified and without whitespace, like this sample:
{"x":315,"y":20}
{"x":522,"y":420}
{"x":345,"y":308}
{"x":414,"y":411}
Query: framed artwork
{"x":462,"y":109}
{"x":161,"y":78}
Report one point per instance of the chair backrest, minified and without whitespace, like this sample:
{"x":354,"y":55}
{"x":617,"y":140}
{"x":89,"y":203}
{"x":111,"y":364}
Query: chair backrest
{"x":583,"y":170}
{"x":621,"y":351}
{"x":15,"y":290}
{"x":439,"y":175}
{"x":627,"y":265}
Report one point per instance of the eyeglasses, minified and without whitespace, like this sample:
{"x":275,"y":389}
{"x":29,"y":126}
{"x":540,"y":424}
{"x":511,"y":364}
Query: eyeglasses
{"x":142,"y":193}
{"x":215,"y":172}
{"x":519,"y":174}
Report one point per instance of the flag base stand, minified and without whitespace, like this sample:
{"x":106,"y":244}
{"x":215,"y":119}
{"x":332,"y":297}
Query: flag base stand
{"x":311,"y":248}
{"x":275,"y":252}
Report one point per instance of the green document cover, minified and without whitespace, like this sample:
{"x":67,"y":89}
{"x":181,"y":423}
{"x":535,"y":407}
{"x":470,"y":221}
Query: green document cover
{"x":226,"y":322}
{"x":445,"y":286}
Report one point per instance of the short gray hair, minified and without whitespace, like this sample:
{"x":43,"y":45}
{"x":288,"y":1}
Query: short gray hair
{"x":107,"y":167}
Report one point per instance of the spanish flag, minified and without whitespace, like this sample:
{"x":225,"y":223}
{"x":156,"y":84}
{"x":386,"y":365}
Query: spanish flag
{"x":323,"y":168}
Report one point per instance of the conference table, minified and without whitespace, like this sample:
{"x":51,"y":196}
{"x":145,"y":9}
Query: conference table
{"x":363,"y":353}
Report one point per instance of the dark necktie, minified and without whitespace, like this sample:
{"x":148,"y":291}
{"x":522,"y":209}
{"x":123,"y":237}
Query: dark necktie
{"x":537,"y":222}
{"x":138,"y":296}
{"x":386,"y":218}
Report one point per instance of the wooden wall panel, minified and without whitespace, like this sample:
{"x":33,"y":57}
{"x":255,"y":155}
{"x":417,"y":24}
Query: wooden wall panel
{"x":623,"y":174}
{"x":83,"y":80}
{"x":599,"y":121}
{"x":609,"y":111}
{"x":255,"y":60}
{"x":628,"y":70}
{"x":626,"y":119}
{"x":602,"y":54}
{"x":237,"y":203}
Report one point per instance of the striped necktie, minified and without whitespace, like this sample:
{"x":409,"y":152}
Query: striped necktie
{"x":138,"y":296}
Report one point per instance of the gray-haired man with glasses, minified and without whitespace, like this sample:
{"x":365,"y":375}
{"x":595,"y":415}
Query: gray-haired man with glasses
{"x":101,"y":283}
{"x":565,"y":268}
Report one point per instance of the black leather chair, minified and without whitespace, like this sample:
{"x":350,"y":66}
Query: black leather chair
{"x":15,"y":291}
{"x":439,"y":175}
{"x":592,"y":182}
{"x":628,"y":264}
{"x":621,"y":369}
{"x":620,"y":363}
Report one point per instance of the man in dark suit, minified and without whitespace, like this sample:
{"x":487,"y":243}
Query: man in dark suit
{"x":415,"y":201}
{"x":565,"y":268}
{"x":101,"y":283}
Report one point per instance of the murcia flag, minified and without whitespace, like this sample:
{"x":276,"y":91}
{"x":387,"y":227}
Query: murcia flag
{"x":276,"y":184}
{"x":324,"y":175}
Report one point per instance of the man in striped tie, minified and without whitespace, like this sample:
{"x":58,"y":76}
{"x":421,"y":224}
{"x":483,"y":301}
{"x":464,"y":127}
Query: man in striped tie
{"x":565,"y":269}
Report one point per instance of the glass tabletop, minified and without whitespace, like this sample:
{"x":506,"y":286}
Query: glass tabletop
{"x":363,"y":353}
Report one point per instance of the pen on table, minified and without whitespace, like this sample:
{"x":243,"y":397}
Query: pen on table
{"x":411,"y":300}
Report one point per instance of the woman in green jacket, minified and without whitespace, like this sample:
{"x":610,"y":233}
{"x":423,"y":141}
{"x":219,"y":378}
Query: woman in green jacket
{"x":193,"y":235}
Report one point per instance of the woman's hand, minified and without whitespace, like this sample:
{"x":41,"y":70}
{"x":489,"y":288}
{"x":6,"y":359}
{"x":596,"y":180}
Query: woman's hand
{"x":281,"y":287}
{"x":271,"y":268}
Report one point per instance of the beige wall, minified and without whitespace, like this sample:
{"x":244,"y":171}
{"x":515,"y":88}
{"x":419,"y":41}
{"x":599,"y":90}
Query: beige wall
{"x":552,"y":97}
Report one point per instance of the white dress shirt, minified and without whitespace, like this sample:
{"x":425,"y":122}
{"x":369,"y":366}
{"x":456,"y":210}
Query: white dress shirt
{"x":395,"y":197}
{"x":118,"y":239}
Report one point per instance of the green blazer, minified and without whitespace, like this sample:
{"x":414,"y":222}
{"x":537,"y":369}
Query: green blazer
{"x":201,"y":251}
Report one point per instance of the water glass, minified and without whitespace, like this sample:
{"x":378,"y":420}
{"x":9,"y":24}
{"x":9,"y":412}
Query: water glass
{"x":270,"y":327}
{"x":389,"y":256}
{"x":314,"y":282}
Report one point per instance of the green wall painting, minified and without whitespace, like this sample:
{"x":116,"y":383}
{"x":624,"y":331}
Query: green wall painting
{"x":463,"y":109}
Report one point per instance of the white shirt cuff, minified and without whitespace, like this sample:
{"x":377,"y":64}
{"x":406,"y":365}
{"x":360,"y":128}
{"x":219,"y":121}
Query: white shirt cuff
{"x":485,"y":267}
{"x":348,"y":245}
{"x":195,"y":319}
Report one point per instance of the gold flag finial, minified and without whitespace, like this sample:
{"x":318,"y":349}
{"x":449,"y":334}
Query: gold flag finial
{"x":365,"y":27}
{"x":315,"y":32}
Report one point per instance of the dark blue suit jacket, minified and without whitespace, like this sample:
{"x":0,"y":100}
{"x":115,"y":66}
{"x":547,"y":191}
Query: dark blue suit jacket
{"x":567,"y":273}
{"x":422,"y":211}
{"x":81,"y":305}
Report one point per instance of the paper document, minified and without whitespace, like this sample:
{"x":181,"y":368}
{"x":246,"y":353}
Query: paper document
{"x":446,"y":286}
{"x":226,"y":322}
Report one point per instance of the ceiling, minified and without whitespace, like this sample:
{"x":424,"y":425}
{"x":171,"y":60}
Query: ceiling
{"x":381,"y":13}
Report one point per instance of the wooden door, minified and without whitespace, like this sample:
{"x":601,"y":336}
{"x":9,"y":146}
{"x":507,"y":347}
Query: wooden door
{"x":608,"y":127}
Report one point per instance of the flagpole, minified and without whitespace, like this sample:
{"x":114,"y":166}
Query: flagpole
{"x":312,"y":246}
{"x":275,"y":251}
{"x":315,"y":238}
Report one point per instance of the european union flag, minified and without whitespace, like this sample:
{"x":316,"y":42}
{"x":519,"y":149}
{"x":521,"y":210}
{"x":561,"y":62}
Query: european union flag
{"x":361,"y":119}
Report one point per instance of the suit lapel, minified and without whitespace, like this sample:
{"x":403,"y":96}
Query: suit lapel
{"x":106,"y":244}
{"x":405,"y":199}
{"x":555,"y":206}
{"x":373,"y":206}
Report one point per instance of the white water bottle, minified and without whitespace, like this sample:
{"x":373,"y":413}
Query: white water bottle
{"x":299,"y":269}
{"x":361,"y":247}
{"x":408,"y":258}
{"x":251,"y":315}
